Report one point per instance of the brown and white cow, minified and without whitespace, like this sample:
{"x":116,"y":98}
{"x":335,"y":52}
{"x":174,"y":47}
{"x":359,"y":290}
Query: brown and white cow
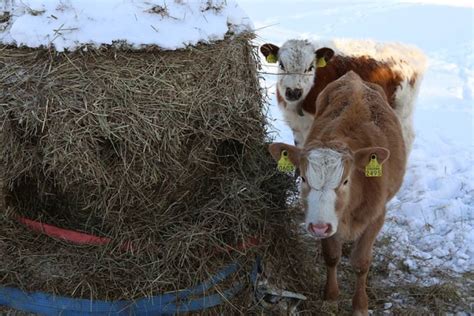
{"x":353,"y":124}
{"x":305,"y":69}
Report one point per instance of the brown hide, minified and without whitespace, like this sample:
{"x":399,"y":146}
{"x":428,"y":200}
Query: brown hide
{"x":367,"y":68}
{"x":354,"y":116}
{"x":355,"y":113}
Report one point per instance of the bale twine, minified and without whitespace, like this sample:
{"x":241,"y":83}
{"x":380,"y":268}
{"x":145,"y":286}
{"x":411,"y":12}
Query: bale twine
{"x":162,"y":149}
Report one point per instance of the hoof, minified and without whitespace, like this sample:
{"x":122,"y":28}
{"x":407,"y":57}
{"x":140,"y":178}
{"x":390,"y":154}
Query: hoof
{"x":360,"y":313}
{"x":331,"y":295}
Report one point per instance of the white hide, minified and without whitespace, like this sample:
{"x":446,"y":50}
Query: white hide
{"x":323,"y":175}
{"x":296,"y":68}
{"x":296,"y":57}
{"x":300,"y":125}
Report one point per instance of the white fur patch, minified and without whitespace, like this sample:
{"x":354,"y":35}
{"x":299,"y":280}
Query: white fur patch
{"x":325,"y":169}
{"x":408,"y":60}
{"x":297,"y":58}
{"x":321,"y":209}
{"x":405,"y":97}
{"x":300,"y":125}
{"x":323,"y":175}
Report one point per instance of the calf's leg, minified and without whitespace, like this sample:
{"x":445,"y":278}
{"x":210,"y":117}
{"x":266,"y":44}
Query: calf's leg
{"x":361,"y":258}
{"x":332,"y":255}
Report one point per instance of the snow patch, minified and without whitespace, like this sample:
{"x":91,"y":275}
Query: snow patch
{"x":67,"y":24}
{"x":453,"y":3}
{"x":432,"y":217}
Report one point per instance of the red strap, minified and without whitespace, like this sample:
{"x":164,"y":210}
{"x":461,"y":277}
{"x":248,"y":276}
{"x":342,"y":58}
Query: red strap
{"x":64,"y":234}
{"x":244,"y":245}
{"x":86,"y":239}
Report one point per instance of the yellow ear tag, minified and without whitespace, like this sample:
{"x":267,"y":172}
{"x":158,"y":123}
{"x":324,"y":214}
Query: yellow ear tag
{"x":272,"y":59}
{"x":284,"y":164}
{"x":321,"y":62}
{"x":373,"y":168}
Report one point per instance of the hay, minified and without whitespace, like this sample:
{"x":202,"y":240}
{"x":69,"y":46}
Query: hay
{"x":107,"y":132}
{"x":163,"y":149}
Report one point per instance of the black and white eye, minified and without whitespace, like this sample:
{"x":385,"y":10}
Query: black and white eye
{"x":303,"y":179}
{"x":281,"y":65}
{"x":311,"y":68}
{"x":345,"y":182}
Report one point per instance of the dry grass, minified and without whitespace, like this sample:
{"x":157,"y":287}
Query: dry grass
{"x":163,"y":149}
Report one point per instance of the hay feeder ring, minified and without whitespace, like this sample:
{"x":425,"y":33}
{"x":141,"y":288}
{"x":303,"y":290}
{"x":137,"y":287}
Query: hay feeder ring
{"x":181,"y":301}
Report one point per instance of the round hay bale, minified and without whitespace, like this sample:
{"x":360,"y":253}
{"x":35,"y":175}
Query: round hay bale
{"x":161,"y":151}
{"x":165,"y":150}
{"x":118,"y":138}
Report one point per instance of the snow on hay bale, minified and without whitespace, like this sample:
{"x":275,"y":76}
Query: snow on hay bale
{"x":162,"y":149}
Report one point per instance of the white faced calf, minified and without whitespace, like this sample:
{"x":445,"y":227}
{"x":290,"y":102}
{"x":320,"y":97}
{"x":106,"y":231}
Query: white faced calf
{"x":297,"y":62}
{"x":354,"y":129}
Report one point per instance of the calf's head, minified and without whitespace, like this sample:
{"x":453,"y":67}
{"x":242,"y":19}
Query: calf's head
{"x":298,"y":61}
{"x":327,"y":179}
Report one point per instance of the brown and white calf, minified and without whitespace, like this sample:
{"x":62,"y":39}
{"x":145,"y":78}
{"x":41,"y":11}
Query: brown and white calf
{"x":305,"y":69}
{"x":353,"y":124}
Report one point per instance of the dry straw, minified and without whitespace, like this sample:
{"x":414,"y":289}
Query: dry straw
{"x":163,"y":149}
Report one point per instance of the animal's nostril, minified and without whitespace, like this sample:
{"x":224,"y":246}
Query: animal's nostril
{"x":293,"y":94}
{"x":297,"y":93}
{"x":320,"y":229}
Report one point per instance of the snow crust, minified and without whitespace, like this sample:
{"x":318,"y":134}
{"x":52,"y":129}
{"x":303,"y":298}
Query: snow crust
{"x":68,"y":24}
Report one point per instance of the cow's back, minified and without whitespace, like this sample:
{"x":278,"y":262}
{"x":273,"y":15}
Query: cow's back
{"x":355,"y":112}
{"x":369,"y":69}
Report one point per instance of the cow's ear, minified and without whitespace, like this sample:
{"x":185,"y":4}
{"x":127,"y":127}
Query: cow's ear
{"x":363,"y":156}
{"x":281,"y":150}
{"x":323,"y":56}
{"x":270,"y":52}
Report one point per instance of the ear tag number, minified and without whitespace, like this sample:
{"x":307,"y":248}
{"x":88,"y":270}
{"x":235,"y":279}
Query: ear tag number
{"x":321,"y":62}
{"x":272,"y":59}
{"x":284,"y":164}
{"x":373,"y":168}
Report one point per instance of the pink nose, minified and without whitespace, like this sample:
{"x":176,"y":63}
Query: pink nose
{"x":319,"y":230}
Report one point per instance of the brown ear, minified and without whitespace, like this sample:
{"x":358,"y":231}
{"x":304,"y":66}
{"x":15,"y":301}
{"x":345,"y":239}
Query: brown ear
{"x":325,"y":52}
{"x":363,"y":156}
{"x":269,"y":49}
{"x":294,"y":153}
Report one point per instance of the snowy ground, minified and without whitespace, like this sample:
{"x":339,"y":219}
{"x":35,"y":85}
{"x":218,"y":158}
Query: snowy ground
{"x":430,"y":223}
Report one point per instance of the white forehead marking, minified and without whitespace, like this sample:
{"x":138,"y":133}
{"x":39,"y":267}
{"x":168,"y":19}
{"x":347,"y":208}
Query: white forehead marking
{"x":296,"y":55}
{"x":325,"y":169}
